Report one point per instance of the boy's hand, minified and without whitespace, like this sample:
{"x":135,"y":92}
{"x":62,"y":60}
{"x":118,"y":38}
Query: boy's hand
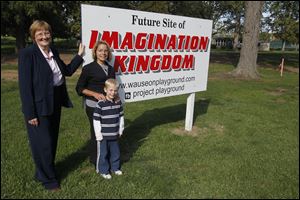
{"x":99,"y":137}
{"x":120,"y":134}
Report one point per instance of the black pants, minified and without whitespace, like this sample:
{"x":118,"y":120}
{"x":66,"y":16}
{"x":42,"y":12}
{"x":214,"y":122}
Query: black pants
{"x":43,"y":142}
{"x":93,"y":143}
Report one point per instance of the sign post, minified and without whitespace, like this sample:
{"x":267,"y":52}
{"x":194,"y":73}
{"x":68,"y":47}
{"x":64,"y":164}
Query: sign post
{"x":189,"y":116}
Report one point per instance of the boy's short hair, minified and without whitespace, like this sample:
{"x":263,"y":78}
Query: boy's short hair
{"x":111,"y":82}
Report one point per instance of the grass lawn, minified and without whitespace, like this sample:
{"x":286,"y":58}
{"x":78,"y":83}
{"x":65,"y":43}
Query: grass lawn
{"x":244,"y":144}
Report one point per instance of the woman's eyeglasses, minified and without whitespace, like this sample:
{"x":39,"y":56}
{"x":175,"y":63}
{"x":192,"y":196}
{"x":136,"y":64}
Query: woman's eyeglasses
{"x":41,"y":34}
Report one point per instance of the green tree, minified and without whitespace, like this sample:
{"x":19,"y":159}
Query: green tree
{"x":284,"y":21}
{"x":234,"y":14}
{"x":17,"y":16}
{"x":150,"y":6}
{"x":212,"y":10}
{"x":73,"y":12}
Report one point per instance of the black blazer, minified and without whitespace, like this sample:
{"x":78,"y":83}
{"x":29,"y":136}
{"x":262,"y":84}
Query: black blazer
{"x":93,"y":78}
{"x":36,"y":81}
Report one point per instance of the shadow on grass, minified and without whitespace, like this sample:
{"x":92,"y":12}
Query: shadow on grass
{"x":264,"y":59}
{"x":231,"y":58}
{"x":134,"y":135}
{"x":72,"y":161}
{"x":137,"y":131}
{"x":273,"y":60}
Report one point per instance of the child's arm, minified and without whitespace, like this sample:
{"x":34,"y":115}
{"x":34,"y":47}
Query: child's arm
{"x":97,"y":129}
{"x":97,"y":123}
{"x":121,"y":125}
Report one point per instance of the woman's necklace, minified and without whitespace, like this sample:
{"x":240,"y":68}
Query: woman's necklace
{"x":105,"y":68}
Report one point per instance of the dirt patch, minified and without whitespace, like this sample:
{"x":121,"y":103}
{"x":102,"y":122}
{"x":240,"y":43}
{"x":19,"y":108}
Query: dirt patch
{"x":66,"y":57}
{"x":277,"y":92}
{"x":280,"y":101}
{"x":87,"y":170}
{"x":193,"y":133}
{"x":9,"y":59}
{"x":12,"y":75}
{"x":288,"y":69}
{"x":9,"y":75}
{"x":228,"y":76}
{"x":196,"y":131}
{"x":291,"y":69}
{"x":13,"y":59}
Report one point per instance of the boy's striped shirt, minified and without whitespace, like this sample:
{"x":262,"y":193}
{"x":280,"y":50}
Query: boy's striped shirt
{"x":109,"y":113}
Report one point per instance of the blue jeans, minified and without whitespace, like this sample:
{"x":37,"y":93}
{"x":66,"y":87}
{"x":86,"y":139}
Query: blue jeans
{"x":108,"y":156}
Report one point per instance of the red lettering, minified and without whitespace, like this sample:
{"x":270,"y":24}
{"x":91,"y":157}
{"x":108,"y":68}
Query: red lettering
{"x":93,"y":39}
{"x":120,"y":62}
{"x":142,"y":62}
{"x":112,"y":40}
{"x":140,"y":42}
{"x":188,"y":62}
{"x":131,"y":64}
{"x":150,"y":41}
{"x":155,"y":62}
{"x":187,"y":42}
{"x":194,"y":43}
{"x":180,"y":43}
{"x":127,"y":41}
{"x":160,"y":41}
{"x":203,"y":43}
{"x":166,"y":63}
{"x":172,"y":42}
{"x":176,"y":62}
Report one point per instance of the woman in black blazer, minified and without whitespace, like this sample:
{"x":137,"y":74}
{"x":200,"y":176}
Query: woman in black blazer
{"x":43,"y":92}
{"x":90,"y":85}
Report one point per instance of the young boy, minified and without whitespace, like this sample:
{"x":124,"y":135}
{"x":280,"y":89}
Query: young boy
{"x":108,"y":122}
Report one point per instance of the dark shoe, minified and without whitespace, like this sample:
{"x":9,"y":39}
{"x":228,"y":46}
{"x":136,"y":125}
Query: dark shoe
{"x":54,"y":187}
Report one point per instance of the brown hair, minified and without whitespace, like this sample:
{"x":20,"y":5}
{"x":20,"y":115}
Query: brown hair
{"x":38,"y":25}
{"x":96,"y":45}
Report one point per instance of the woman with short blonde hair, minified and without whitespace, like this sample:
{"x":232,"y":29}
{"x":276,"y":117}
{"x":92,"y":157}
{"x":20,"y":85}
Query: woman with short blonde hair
{"x":39,"y":25}
{"x":43,"y":93}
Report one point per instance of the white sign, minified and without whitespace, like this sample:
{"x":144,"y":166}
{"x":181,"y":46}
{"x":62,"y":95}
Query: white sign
{"x":154,"y":55}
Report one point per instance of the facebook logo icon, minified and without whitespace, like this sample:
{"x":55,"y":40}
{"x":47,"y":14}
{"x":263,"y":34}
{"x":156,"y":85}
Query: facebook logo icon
{"x":127,"y":95}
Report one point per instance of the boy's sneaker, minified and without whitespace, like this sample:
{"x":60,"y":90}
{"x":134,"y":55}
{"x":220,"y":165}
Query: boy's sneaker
{"x":118,"y":172}
{"x":106,"y":176}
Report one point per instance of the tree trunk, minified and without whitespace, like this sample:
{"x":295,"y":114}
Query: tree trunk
{"x":236,"y":34}
{"x":20,"y":39}
{"x":235,"y":41}
{"x":246,"y":67}
{"x":20,"y":36}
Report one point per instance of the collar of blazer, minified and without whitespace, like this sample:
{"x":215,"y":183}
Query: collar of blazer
{"x":43,"y":59}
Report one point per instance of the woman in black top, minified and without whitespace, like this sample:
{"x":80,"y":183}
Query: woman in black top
{"x":91,"y":83}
